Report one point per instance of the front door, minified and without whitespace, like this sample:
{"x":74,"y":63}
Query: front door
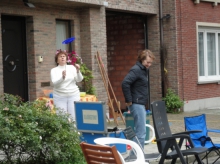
{"x":14,"y":56}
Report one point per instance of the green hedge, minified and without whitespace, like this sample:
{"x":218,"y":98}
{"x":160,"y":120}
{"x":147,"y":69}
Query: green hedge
{"x":32,"y":133}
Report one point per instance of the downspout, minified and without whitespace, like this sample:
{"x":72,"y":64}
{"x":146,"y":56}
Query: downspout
{"x":146,"y":47}
{"x":161,"y":22}
{"x":161,"y":46}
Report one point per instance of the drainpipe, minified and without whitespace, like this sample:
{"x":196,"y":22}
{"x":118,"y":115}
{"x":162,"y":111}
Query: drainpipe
{"x":161,"y":45}
{"x":161,"y":22}
{"x":146,"y":47}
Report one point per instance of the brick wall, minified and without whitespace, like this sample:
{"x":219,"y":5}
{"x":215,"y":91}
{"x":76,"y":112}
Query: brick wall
{"x":138,"y":6}
{"x":41,"y":40}
{"x":170,"y":45}
{"x":192,"y":90}
{"x":89,"y":27}
{"x":181,"y":42}
{"x":1,"y":64}
{"x":154,"y":46}
{"x":125,"y":38}
{"x":93,"y":40}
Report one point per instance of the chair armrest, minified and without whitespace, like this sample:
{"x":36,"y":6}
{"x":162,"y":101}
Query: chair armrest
{"x":182,"y":137}
{"x":214,"y":130}
{"x":111,"y":140}
{"x":174,"y":137}
{"x":153,"y":133}
{"x":188,"y":132}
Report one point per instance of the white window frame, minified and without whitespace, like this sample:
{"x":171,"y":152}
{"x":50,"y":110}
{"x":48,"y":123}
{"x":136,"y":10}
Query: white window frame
{"x":206,"y":28}
{"x":215,"y":2}
{"x":62,"y":33}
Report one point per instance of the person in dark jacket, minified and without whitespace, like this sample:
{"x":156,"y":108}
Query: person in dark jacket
{"x":135,"y":90}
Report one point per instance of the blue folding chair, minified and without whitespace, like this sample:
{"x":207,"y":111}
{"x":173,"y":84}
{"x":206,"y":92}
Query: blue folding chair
{"x":202,"y":139}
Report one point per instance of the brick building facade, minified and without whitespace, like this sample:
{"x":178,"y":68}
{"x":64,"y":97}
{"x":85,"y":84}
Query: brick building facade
{"x":181,"y":38}
{"x":118,"y":29}
{"x":89,"y":19}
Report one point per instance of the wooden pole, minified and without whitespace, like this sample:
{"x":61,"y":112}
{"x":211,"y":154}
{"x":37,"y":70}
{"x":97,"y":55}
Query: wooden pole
{"x":110,"y":104}
{"x":106,"y":76}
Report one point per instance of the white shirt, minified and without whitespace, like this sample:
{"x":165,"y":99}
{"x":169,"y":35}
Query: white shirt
{"x":67,"y":86}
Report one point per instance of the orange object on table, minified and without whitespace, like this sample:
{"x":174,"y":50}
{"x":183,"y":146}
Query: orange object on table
{"x":47,"y":92}
{"x":50,"y":104}
{"x":89,"y":98}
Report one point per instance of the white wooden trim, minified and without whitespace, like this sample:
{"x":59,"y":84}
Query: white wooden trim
{"x":215,"y":2}
{"x":209,"y":79}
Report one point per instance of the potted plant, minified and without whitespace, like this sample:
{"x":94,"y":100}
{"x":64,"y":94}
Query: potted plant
{"x":172,"y":101}
{"x":87,"y":80}
{"x":86,"y":85}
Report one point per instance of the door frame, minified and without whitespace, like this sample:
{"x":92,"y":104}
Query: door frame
{"x":22,"y":19}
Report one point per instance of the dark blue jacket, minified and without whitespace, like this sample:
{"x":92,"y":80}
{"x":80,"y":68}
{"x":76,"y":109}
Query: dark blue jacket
{"x":135,"y":85}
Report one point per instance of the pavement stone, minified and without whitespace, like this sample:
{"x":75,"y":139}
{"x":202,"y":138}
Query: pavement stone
{"x":176,"y":122}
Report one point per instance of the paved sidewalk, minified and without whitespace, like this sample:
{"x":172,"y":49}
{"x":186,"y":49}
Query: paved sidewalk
{"x":177,"y":125}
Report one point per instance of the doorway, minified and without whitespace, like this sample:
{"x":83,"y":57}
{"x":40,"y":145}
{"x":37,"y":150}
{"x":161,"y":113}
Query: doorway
{"x":14,"y":56}
{"x":125,"y":38}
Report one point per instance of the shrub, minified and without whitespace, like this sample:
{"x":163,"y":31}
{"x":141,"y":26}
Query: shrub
{"x":31,"y":133}
{"x":87,"y":80}
{"x":172,"y":101}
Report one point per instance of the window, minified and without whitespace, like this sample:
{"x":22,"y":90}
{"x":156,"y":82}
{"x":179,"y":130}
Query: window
{"x":215,"y":3}
{"x":62,"y":33}
{"x":209,"y":53}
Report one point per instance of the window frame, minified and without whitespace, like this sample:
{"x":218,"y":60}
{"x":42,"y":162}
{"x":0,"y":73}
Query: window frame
{"x":68,"y":22}
{"x":207,"y":28}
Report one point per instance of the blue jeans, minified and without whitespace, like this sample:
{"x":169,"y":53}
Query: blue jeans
{"x":139,"y":114}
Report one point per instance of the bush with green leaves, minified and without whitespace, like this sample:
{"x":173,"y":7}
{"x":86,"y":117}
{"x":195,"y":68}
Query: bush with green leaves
{"x":87,"y":80}
{"x":31,"y":133}
{"x":172,"y":101}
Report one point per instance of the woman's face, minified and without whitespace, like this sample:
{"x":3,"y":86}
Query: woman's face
{"x":61,"y":60}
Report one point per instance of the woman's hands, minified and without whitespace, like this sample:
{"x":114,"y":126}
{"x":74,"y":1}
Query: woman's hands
{"x":77,"y":67}
{"x":64,"y":74}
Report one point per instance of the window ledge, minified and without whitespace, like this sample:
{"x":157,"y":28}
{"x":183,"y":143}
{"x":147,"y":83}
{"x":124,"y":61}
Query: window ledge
{"x":215,"y":2}
{"x":208,"y":82}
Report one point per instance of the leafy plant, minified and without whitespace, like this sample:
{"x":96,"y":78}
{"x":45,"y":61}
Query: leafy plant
{"x":31,"y":133}
{"x":87,"y":80}
{"x":172,"y":101}
{"x":86,"y":86}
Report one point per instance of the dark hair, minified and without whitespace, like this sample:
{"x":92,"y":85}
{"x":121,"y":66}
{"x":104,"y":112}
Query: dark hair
{"x":143,"y":55}
{"x":59,"y":52}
